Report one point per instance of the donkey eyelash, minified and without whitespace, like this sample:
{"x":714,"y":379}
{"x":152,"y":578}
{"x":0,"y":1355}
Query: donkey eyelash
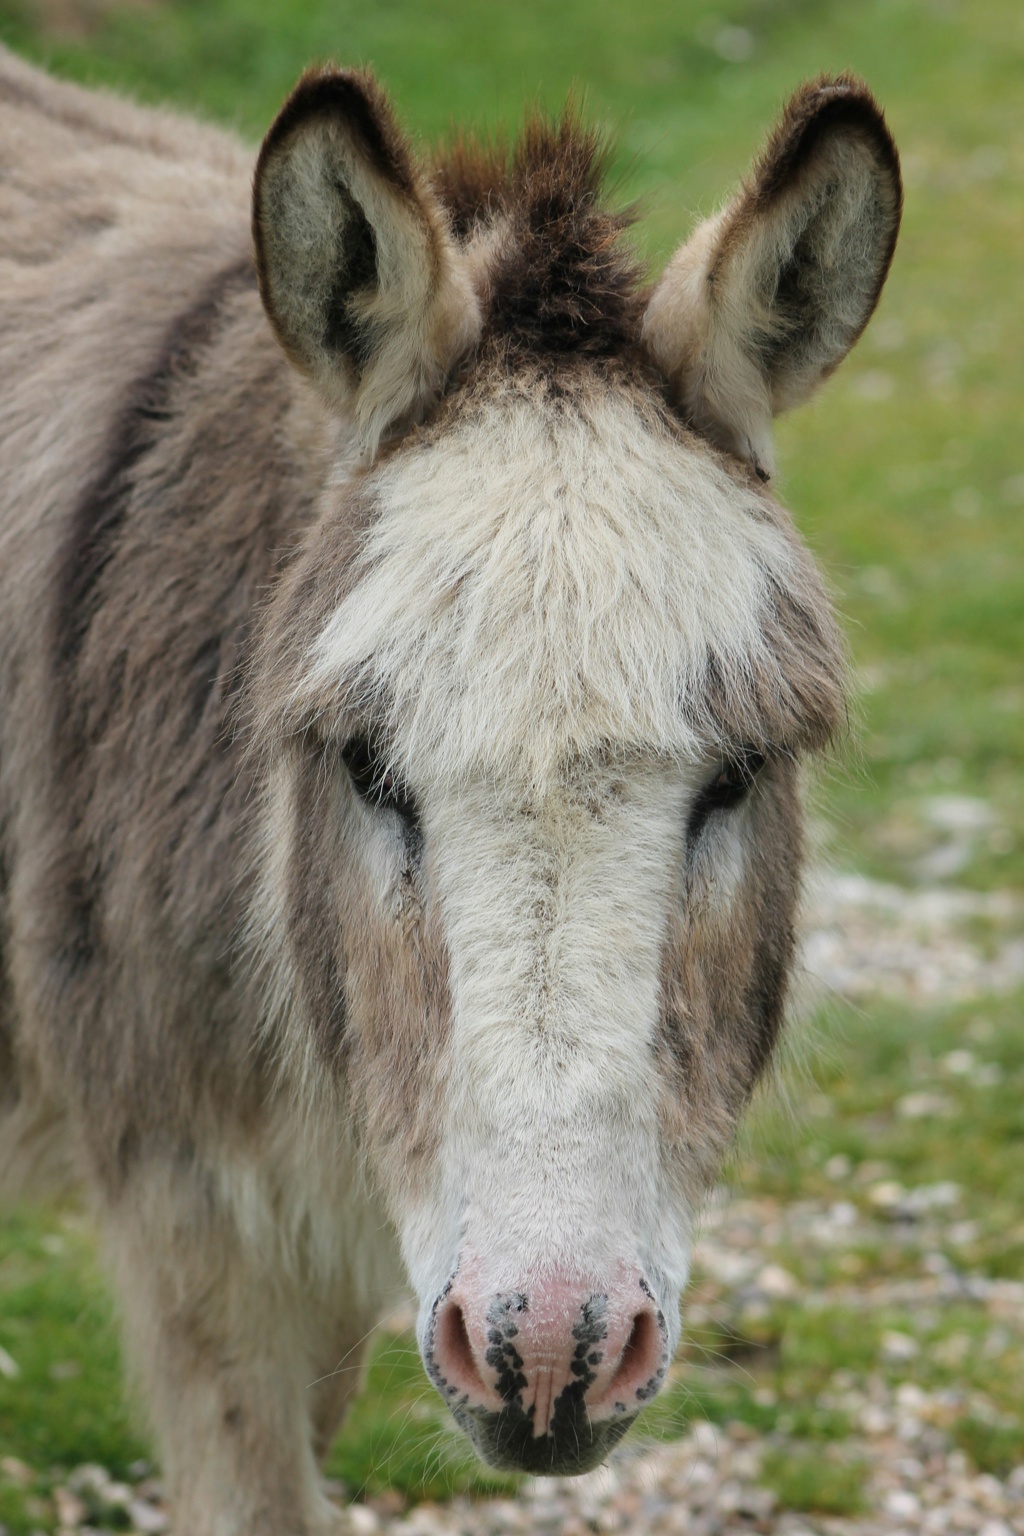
{"x":726,"y":790}
{"x":375,"y":783}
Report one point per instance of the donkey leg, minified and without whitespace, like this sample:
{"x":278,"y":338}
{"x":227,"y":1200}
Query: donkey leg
{"x":341,"y":1329}
{"x":332,"y":1391}
{"x":218,"y":1340}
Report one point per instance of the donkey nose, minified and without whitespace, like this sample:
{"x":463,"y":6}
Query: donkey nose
{"x":545,"y":1356}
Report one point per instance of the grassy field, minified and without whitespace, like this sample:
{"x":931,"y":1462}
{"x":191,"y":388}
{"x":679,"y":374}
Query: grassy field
{"x":907,"y":476}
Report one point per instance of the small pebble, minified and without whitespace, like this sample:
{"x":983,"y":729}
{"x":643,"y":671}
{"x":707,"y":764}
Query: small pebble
{"x":897,"y":1347}
{"x":14,"y":1471}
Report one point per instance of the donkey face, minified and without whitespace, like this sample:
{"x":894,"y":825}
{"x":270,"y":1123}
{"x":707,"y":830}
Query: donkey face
{"x":533,"y":698}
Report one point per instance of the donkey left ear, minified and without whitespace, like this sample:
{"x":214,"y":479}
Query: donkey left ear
{"x":767,"y":298}
{"x":365,"y":288}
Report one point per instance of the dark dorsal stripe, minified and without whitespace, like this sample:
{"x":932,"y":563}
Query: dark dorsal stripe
{"x":89,"y":546}
{"x":100,"y":513}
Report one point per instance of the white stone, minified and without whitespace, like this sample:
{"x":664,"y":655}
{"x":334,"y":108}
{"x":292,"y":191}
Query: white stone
{"x":886,"y":1195}
{"x":874,"y":384}
{"x":14,"y":1471}
{"x":69,"y":1507}
{"x":902,"y":1503}
{"x":777,"y":1282}
{"x":958,"y":813}
{"x":897,"y":1347}
{"x":146,"y":1518}
{"x":363,"y":1521}
{"x":925,"y":1106}
{"x":932,"y":1197}
{"x":734,"y":44}
{"x":705,"y":1436}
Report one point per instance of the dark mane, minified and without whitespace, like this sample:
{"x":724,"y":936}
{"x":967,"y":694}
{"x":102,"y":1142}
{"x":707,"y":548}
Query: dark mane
{"x":563,"y":278}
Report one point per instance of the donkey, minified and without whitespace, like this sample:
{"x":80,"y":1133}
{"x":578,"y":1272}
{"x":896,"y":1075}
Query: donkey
{"x":405,"y":670}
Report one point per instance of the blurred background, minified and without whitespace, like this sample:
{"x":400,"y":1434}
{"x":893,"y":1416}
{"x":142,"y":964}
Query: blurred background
{"x":855,"y":1352}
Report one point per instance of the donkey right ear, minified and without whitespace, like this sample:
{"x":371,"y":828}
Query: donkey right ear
{"x":365,"y":288}
{"x":768,"y":297}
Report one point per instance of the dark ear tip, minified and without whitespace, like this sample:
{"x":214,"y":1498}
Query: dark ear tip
{"x":847,"y":99}
{"x":843,"y":87}
{"x":353,"y":98}
{"x":350,"y":116}
{"x":817,"y":109}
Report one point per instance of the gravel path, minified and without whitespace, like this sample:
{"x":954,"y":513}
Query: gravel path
{"x":704,"y":1485}
{"x":707,"y":1485}
{"x":928,"y":945}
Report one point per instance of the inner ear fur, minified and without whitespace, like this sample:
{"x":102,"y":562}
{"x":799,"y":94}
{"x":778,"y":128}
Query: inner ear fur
{"x":364,"y":286}
{"x":767,"y":298}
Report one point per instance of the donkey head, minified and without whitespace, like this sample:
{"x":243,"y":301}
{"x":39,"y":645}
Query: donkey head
{"x":534,"y":693}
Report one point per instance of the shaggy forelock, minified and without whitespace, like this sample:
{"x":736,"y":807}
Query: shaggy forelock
{"x":561,"y":278}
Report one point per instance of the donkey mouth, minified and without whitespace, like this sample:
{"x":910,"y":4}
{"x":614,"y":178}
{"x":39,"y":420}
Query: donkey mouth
{"x":505,"y":1440}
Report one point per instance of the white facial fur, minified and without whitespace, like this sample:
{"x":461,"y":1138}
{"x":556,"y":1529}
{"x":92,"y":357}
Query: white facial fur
{"x":544,"y":585}
{"x":555,"y":915}
{"x":554,"y":783}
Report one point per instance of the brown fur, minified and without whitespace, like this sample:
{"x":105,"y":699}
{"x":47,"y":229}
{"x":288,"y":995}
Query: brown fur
{"x":738,"y":969}
{"x":563,"y":279}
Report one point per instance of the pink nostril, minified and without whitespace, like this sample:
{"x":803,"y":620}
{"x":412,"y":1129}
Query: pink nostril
{"x":640,"y":1361}
{"x":453,"y":1352}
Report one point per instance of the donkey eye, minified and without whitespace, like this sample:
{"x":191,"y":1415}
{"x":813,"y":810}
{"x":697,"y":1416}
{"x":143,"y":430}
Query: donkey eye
{"x":727,"y":789}
{"x":376,"y":783}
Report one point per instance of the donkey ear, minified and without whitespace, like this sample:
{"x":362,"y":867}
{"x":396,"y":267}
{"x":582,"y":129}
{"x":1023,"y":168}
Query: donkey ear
{"x":766,"y":299}
{"x":363,"y":284}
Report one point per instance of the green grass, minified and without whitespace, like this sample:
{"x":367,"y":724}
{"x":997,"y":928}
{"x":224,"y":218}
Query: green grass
{"x":65,"y":1406}
{"x":802,"y":1480}
{"x":907,"y":477}
{"x":865,"y":1068}
{"x":399,"y":1436}
{"x":995,"y":1448}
